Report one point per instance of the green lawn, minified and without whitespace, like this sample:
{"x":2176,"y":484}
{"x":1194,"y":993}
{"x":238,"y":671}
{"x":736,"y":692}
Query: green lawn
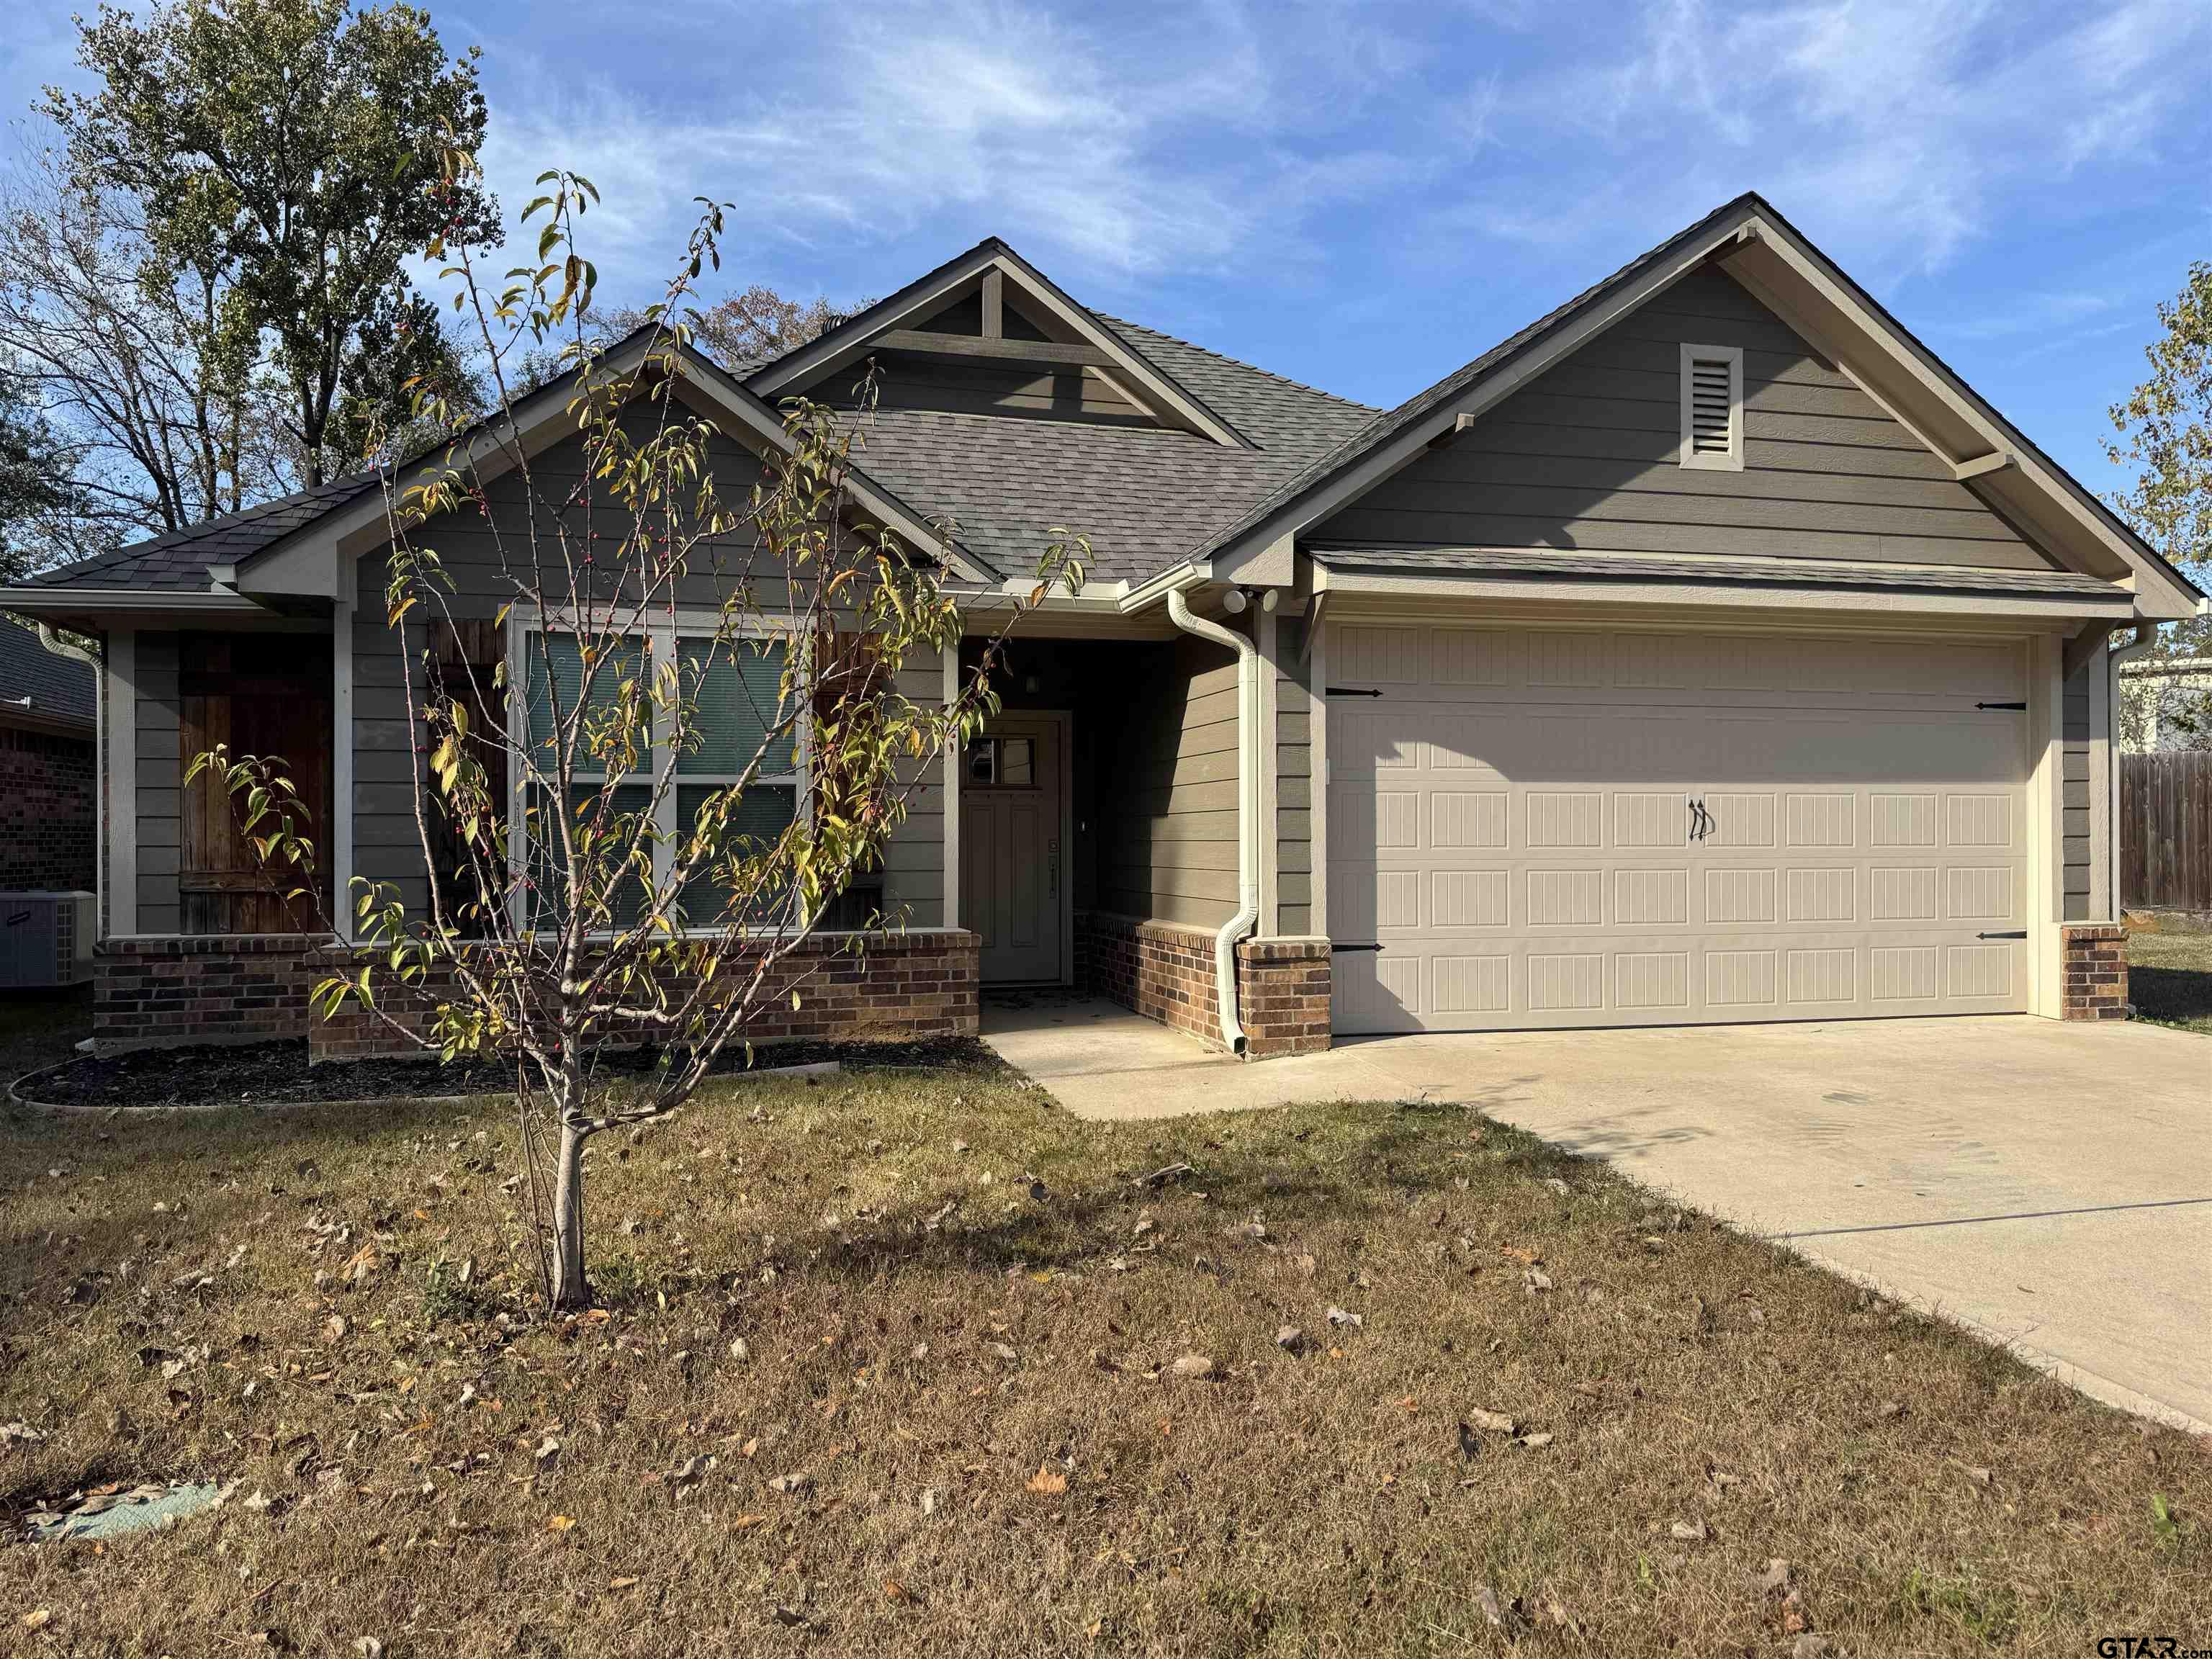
{"x":2170,"y":979}
{"x":955,"y":1425}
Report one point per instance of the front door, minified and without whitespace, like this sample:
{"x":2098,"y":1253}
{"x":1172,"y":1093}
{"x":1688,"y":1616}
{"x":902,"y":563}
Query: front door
{"x":1012,"y":887}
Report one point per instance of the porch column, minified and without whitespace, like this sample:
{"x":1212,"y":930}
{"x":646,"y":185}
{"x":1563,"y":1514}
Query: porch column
{"x":1266,"y":637}
{"x":951,"y":837}
{"x":121,"y":688}
{"x":342,"y":912}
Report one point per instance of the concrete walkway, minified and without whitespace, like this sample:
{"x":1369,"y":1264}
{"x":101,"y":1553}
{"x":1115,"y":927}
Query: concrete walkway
{"x":2048,"y":1184}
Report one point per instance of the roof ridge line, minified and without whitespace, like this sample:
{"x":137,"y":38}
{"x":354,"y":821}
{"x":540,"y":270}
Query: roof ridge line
{"x":1222,"y":357}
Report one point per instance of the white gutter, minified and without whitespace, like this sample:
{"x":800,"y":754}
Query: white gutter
{"x":1188,"y":573}
{"x":62,"y":647}
{"x":2146,"y":636}
{"x":1248,"y":812}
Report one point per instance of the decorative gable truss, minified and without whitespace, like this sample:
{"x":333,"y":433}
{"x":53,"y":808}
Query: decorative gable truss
{"x":989,"y":332}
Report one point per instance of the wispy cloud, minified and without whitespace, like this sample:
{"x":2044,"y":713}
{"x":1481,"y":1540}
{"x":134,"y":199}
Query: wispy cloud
{"x":1895,"y":128}
{"x":1100,"y":144}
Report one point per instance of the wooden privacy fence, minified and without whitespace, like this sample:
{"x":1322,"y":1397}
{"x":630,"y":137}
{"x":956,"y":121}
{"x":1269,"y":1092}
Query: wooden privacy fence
{"x":2165,"y":830}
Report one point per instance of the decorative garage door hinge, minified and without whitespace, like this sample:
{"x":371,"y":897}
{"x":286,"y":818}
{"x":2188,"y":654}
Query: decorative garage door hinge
{"x":1334,"y":947}
{"x":2020,"y":934}
{"x":2021,"y":706}
{"x":1351,"y":691}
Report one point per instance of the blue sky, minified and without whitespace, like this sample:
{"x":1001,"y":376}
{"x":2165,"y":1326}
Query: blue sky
{"x":1365,"y":195}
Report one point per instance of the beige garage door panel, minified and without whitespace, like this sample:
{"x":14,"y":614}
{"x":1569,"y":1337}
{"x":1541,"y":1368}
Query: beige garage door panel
{"x":1587,"y":828}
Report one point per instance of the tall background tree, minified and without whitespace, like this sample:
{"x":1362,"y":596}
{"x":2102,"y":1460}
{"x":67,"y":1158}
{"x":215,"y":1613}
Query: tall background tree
{"x":289,"y":152}
{"x":143,"y":377}
{"x":2165,"y":429}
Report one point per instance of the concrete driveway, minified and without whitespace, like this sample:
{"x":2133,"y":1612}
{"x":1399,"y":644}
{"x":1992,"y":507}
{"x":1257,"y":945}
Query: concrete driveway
{"x":2048,"y":1184}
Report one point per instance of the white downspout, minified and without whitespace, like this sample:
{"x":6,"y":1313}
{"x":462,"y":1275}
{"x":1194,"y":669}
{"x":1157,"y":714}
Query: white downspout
{"x":61,"y":648}
{"x":1248,"y":813}
{"x":2146,"y":636}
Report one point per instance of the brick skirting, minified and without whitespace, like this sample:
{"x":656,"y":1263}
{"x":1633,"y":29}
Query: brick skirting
{"x":1164,"y":970}
{"x":163,"y":992}
{"x":2094,"y":963}
{"x":158,"y":992}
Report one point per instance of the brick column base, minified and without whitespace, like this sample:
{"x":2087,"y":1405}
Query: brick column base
{"x":1283,"y":996}
{"x":2095,"y":964}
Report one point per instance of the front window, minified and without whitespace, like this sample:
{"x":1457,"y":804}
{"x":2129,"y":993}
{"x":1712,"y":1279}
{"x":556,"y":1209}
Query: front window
{"x":733,"y":691}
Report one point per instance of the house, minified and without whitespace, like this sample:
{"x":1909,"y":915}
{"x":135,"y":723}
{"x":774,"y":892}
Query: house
{"x":1706,"y":651}
{"x":49,"y":766}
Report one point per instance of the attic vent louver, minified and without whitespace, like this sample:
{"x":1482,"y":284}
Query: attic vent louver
{"x":1712,"y":407}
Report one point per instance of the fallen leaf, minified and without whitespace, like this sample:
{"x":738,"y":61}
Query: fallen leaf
{"x":1689,"y":1532}
{"x":1339,"y":1318}
{"x":561,"y":1523}
{"x":1047,"y":1481}
{"x":1489,"y":1422}
{"x":620,"y":1584}
{"x":1194,"y":1365}
{"x":38,"y":1619}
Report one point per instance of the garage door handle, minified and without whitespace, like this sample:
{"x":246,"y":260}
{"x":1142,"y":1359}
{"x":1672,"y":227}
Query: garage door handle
{"x":2021,"y":933}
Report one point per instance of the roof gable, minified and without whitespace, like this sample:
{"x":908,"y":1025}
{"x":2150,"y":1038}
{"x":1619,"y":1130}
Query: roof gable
{"x":1774,"y":263}
{"x":1586,"y":456}
{"x":991,"y":307}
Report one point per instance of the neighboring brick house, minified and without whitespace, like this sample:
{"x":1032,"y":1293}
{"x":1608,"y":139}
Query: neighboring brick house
{"x":1706,"y":651}
{"x":49,"y":767}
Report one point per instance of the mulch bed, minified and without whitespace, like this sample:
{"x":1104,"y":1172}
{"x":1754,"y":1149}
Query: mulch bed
{"x":277,"y":1073}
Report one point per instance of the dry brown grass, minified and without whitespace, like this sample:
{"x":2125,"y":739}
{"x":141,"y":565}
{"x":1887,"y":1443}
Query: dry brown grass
{"x":1931,"y":1495}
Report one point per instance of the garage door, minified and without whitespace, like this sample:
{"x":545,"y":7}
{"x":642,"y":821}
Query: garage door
{"x":1554,"y":828}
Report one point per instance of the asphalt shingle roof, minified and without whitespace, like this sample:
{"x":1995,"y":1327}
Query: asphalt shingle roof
{"x":1144,"y":497}
{"x":178,"y":562}
{"x":58,"y":687}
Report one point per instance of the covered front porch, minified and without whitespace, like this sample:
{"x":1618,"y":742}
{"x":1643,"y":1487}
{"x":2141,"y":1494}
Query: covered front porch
{"x":1095,"y":839}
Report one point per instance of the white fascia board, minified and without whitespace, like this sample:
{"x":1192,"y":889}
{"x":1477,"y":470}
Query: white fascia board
{"x":119,"y":605}
{"x":2115,"y":609}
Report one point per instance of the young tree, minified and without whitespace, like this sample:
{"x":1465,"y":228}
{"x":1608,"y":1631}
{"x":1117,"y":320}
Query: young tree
{"x":289,"y":149}
{"x":632,"y":908}
{"x":2166,"y":435}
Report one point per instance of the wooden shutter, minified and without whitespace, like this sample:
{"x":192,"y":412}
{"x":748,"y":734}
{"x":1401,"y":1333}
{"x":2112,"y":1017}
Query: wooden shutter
{"x":260,"y":694}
